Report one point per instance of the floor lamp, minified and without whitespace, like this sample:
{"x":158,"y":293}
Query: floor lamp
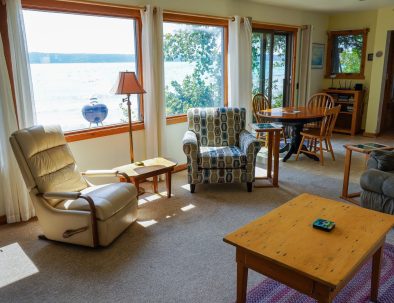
{"x":128,"y":84}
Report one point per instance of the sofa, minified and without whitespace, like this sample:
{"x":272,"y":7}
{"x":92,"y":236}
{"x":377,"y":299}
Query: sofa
{"x":377,"y":182}
{"x":218,"y":147}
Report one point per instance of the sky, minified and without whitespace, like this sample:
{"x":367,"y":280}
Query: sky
{"x":71,"y":33}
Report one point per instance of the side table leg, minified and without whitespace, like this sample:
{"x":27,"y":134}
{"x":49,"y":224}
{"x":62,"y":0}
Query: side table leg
{"x":269,"y":156}
{"x":168,"y":183}
{"x":155,"y":189}
{"x":376,"y":266}
{"x":276,"y":158}
{"x":346,"y":174}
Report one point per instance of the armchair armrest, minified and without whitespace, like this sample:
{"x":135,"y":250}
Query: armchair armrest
{"x":61,"y":195}
{"x":378,"y":181}
{"x":250,"y":146}
{"x":248,"y":143}
{"x":106,"y":173}
{"x":189,"y":142}
{"x":74,"y":196}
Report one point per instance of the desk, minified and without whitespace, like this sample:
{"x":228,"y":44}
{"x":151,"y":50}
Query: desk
{"x":282,"y":245}
{"x":273,"y":148}
{"x":295,"y":117}
{"x":151,"y":168}
{"x":364,"y":148}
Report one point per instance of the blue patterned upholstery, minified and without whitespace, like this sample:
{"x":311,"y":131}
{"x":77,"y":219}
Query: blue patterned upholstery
{"x":218,"y":148}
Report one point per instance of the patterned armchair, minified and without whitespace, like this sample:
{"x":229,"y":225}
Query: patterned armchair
{"x":218,"y":148}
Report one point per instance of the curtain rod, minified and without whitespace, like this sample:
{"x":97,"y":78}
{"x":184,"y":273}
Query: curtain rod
{"x":277,"y":24}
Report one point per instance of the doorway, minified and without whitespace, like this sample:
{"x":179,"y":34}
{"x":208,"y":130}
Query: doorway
{"x":387,"y":117}
{"x":272,"y":62}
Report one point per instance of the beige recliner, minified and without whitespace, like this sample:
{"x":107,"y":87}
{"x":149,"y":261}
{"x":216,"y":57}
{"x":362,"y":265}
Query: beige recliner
{"x":68,"y":207}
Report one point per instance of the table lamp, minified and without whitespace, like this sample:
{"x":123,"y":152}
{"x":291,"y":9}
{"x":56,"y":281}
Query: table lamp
{"x":127,"y":84}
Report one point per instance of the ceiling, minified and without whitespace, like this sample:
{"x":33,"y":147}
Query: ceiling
{"x":329,"y":5}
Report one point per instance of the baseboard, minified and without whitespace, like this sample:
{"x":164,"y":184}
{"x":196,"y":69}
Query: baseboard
{"x":180,"y":167}
{"x":3,"y":220}
{"x":370,"y":135}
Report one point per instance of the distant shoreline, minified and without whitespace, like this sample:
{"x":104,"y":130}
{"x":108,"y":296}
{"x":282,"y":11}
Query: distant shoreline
{"x":45,"y":58}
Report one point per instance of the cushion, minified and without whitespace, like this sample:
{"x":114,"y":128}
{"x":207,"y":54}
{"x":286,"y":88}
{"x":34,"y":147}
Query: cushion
{"x":49,"y":160}
{"x":109,"y":199}
{"x":221,"y":157}
{"x":384,"y":159}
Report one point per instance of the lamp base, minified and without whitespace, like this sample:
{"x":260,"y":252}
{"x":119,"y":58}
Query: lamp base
{"x":139,"y":163}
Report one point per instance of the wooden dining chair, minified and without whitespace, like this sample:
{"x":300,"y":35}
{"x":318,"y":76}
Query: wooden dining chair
{"x":320,"y":100}
{"x":317,"y":136}
{"x":260,"y":102}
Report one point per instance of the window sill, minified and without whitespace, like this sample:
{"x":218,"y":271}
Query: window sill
{"x":101,"y":132}
{"x":176,"y":119}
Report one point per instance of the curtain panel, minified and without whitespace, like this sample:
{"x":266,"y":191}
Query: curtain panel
{"x":153,"y":71}
{"x":305,"y":65}
{"x":13,"y":192}
{"x":20,"y":64}
{"x":240,"y":65}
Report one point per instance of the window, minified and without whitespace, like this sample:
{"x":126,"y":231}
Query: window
{"x":346,"y":53}
{"x":194,"y":66}
{"x":272,"y":64}
{"x":75,"y":60}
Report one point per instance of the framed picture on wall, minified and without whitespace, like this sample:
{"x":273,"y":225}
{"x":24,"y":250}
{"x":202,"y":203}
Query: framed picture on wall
{"x":317,"y":55}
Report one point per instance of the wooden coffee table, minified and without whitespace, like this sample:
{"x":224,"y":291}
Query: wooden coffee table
{"x":151,"y":168}
{"x":283,"y":246}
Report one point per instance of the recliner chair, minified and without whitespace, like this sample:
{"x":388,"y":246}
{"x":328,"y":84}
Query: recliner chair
{"x":69,"y":208}
{"x":378,"y":182}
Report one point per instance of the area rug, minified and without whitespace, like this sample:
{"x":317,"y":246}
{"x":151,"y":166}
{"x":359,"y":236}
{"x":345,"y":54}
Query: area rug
{"x":357,"y":290}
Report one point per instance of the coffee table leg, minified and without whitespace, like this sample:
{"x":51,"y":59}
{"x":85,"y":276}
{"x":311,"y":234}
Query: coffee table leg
{"x":376,"y":265}
{"x":242,"y":282}
{"x":168,"y":183}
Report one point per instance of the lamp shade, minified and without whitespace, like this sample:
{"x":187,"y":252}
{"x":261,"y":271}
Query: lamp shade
{"x":128,"y":84}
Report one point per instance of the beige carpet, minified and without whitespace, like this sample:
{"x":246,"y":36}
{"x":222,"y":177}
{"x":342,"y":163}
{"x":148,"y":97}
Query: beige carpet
{"x":174,"y":253}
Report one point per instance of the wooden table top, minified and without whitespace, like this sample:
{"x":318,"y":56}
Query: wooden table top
{"x":150,"y":165}
{"x":292,"y":113}
{"x":286,"y":237}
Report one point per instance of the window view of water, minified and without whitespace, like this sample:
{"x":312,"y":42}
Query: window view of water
{"x":62,"y":89}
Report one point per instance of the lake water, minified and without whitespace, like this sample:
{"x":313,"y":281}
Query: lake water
{"x":62,"y":89}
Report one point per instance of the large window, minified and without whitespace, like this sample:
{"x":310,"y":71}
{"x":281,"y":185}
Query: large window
{"x":193,"y":67}
{"x":346,"y":53}
{"x":75,"y":61}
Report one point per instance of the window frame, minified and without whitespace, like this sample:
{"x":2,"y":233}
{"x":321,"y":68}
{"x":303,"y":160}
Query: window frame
{"x":209,"y":21}
{"x":330,"y":44}
{"x":94,"y":9}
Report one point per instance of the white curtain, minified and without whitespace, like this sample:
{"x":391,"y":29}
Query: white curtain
{"x":240,"y":64}
{"x":13,"y":192}
{"x":20,"y":64}
{"x":305,"y":65}
{"x":153,"y":71}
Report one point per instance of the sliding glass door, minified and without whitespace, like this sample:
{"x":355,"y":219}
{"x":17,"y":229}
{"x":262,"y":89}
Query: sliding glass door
{"x":272,"y":65}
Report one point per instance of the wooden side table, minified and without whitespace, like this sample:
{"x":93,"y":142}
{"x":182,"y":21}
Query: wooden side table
{"x":366,"y":149}
{"x":274,"y":132}
{"x":151,"y":168}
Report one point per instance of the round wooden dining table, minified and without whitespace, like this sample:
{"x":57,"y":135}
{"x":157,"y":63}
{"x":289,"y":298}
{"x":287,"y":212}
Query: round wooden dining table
{"x":295,"y":117}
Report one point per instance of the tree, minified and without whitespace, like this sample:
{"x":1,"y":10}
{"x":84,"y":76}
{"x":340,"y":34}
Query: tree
{"x":201,"y":46}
